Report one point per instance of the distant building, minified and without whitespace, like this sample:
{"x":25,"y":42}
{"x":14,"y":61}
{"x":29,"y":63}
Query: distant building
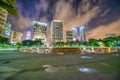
{"x":3,"y":18}
{"x":82,"y":33}
{"x":7,"y":29}
{"x":79,"y":33}
{"x":39,"y":31}
{"x":27,"y":35}
{"x":56,"y":31}
{"x":15,"y":37}
{"x":69,"y":36}
{"x":75,"y":33}
{"x":110,"y":35}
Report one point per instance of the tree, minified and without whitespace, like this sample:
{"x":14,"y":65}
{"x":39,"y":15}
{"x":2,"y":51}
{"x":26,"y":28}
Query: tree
{"x":4,"y":40}
{"x":59,"y":44}
{"x":38,"y":42}
{"x":93,"y":42}
{"x":118,"y":41}
{"x":27,"y":43}
{"x":9,"y":6}
{"x":68,"y":44}
{"x":110,"y":41}
{"x":72,"y":43}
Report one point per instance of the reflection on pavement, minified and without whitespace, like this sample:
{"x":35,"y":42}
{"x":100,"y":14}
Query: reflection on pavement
{"x":87,"y":70}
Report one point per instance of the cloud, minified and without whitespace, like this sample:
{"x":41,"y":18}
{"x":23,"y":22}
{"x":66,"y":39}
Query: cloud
{"x":84,"y":6}
{"x":21,"y":23}
{"x":105,"y":12}
{"x":44,"y":5}
{"x":100,"y":31}
{"x":65,"y":12}
{"x":92,"y":13}
{"x":28,"y":12}
{"x":87,"y":12}
{"x":41,"y":9}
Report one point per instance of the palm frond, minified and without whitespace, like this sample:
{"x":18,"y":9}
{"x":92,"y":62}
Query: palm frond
{"x":9,"y":6}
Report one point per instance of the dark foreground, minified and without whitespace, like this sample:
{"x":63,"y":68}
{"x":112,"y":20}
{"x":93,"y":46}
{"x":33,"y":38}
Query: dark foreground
{"x":24,"y":66}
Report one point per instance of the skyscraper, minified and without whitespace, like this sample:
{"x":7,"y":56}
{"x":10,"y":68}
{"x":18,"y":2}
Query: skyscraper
{"x":39,"y":30}
{"x":3,"y":18}
{"x":7,"y":29}
{"x":56,"y":31}
{"x":28,"y":35}
{"x":69,"y":36}
{"x":75,"y":33}
{"x":79,"y":33}
{"x":15,"y":37}
{"x":82,"y":33}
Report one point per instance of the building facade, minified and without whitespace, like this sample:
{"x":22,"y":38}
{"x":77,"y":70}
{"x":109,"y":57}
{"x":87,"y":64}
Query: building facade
{"x":69,"y":36}
{"x":3,"y":18}
{"x":27,"y":35}
{"x":7,"y":29}
{"x":56,"y":31}
{"x":79,"y":33}
{"x":39,"y":31}
{"x":75,"y":33}
{"x":82,"y":33}
{"x":15,"y":37}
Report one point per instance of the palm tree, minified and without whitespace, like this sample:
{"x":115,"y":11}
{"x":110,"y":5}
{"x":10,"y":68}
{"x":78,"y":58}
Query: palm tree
{"x":9,"y":6}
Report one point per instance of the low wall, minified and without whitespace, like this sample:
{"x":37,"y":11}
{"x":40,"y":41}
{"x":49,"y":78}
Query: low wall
{"x":65,"y":50}
{"x":35,"y":50}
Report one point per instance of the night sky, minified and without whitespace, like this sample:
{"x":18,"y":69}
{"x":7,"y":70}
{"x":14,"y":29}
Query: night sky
{"x":99,"y":16}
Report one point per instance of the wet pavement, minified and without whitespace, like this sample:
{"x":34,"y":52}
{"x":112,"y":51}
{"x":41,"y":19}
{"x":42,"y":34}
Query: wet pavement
{"x":60,"y":67}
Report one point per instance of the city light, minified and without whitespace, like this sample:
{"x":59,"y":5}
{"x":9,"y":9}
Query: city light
{"x":88,"y":70}
{"x":59,"y":39}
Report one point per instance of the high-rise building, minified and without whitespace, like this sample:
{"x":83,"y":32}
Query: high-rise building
{"x":75,"y":33}
{"x":27,"y":35}
{"x":69,"y":36}
{"x":82,"y":33}
{"x":39,"y":30}
{"x":79,"y":33}
{"x":7,"y":29}
{"x":15,"y":37}
{"x":3,"y":18}
{"x":56,"y":31}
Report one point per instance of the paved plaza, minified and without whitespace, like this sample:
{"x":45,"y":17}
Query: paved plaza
{"x":15,"y":65}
